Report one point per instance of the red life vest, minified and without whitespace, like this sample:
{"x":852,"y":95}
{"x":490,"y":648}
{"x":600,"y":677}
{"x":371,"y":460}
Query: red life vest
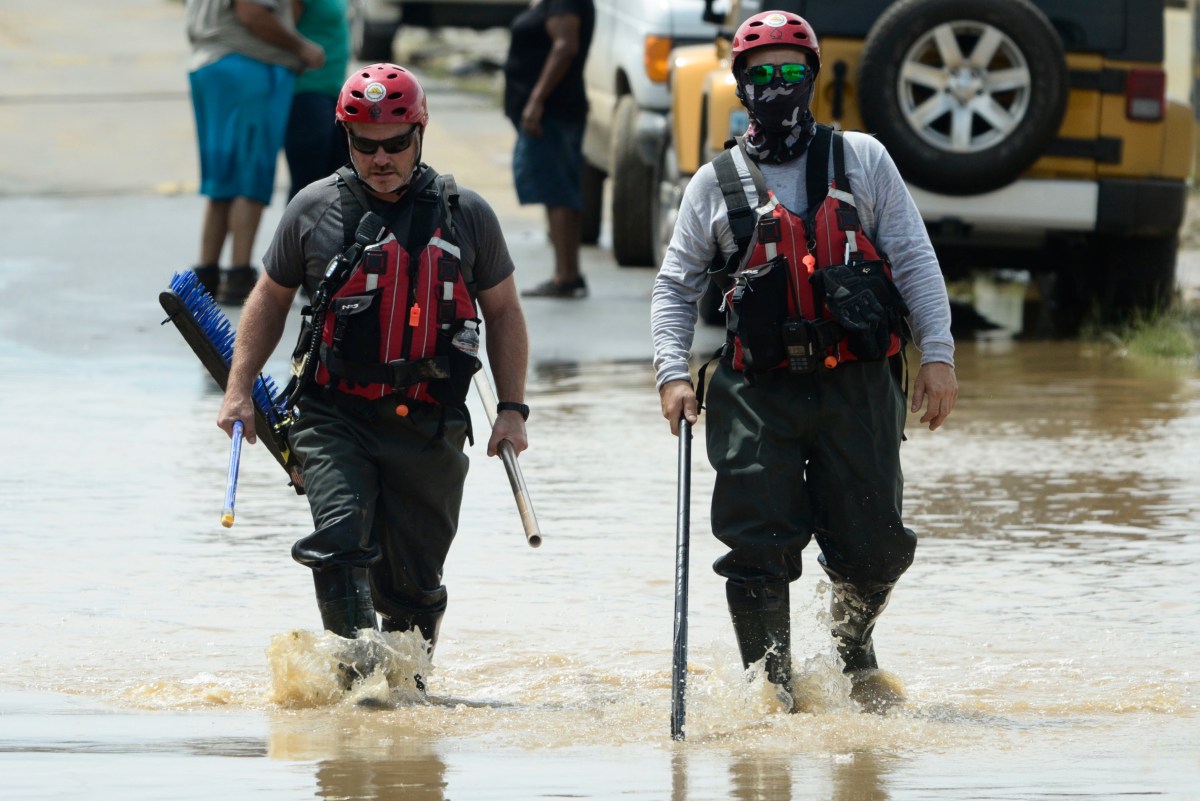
{"x":774,"y":287}
{"x":389,"y":327}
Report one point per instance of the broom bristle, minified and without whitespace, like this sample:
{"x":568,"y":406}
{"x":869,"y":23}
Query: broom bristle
{"x":220,"y":332}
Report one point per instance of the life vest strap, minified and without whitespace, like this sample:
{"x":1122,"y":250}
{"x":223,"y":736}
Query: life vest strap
{"x":396,"y":374}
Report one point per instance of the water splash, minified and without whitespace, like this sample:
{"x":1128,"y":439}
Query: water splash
{"x":376,"y":669}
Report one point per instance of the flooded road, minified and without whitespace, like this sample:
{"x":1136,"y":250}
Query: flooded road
{"x":1046,"y":636}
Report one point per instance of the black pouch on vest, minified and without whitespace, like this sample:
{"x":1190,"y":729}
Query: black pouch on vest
{"x":761,"y":303}
{"x":356,"y":332}
{"x":868,"y":325}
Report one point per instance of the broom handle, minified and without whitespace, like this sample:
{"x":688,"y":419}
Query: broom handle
{"x":235,"y":457}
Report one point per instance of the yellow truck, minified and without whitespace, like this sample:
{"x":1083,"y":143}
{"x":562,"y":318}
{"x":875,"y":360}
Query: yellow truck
{"x":1049,"y":136}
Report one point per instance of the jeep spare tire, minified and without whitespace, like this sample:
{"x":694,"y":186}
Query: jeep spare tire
{"x":965,"y":94}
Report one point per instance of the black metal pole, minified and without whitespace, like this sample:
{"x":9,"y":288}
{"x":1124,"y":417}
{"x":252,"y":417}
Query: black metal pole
{"x":682,"y":523}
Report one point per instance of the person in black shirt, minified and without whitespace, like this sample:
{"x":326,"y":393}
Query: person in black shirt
{"x":545,"y":99}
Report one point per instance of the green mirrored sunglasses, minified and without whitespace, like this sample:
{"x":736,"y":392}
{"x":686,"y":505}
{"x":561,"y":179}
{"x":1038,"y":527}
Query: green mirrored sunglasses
{"x":762,"y":74}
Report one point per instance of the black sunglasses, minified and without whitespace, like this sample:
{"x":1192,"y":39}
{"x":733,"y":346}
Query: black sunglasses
{"x":397,"y":144}
{"x":762,"y":74}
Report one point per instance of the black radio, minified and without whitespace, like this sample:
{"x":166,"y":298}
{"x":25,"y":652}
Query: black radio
{"x":801,"y":350}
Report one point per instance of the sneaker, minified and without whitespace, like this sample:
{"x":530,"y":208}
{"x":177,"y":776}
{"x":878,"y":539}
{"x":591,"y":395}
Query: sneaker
{"x":553,"y":289}
{"x":236,"y":283}
{"x":209,"y":276}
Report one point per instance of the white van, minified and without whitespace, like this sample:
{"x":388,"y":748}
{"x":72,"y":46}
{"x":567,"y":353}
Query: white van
{"x":626,"y":80}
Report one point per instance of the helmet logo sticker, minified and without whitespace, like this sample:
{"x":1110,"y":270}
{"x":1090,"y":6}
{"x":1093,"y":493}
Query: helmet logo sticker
{"x":375,"y":92}
{"x":775,"y":20}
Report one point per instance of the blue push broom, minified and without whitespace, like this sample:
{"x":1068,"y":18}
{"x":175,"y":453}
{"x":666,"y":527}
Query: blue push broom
{"x":209,"y":333}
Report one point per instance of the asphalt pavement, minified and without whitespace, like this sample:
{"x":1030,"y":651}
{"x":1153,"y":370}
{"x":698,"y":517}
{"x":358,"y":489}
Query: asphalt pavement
{"x":99,"y":171}
{"x":99,"y":174}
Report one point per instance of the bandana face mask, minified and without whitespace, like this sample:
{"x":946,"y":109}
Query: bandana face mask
{"x":779,"y":105}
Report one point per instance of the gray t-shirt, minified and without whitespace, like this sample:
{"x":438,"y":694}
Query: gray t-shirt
{"x":215,"y":32}
{"x":310,"y":234}
{"x":889,"y":219}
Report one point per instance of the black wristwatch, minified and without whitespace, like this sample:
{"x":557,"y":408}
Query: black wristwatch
{"x":513,"y":406}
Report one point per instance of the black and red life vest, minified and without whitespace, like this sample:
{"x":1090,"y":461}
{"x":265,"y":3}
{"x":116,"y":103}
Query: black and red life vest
{"x":770,"y":299}
{"x":387,"y":329}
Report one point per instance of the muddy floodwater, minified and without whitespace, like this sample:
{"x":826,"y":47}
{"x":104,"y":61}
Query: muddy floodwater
{"x":1046,"y":635}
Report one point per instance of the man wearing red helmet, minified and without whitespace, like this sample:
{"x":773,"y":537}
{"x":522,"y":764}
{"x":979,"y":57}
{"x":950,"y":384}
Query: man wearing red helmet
{"x":824,"y":258}
{"x":399,"y":263}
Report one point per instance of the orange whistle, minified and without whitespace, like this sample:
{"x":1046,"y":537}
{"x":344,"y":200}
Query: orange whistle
{"x":831,"y":362}
{"x":414,"y":315}
{"x":402,"y":411}
{"x":808,"y":261}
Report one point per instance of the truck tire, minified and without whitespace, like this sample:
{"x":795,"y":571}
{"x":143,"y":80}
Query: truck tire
{"x":1113,"y":280}
{"x":666,"y":200}
{"x":593,"y":204}
{"x":965,"y":94}
{"x":1131,"y":277}
{"x":632,"y":190}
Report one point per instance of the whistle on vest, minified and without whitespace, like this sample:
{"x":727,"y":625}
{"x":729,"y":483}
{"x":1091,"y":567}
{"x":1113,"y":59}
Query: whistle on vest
{"x":801,"y":350}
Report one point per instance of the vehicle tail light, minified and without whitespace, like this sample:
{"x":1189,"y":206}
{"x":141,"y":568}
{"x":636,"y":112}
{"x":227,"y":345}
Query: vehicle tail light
{"x":1146,"y":95}
{"x":657,"y":51}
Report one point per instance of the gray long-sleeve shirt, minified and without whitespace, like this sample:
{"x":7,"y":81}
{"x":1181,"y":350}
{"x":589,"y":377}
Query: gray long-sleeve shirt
{"x":889,"y":219}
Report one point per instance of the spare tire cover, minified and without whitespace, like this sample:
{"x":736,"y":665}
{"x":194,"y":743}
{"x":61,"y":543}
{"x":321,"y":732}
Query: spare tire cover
{"x":965,"y":94}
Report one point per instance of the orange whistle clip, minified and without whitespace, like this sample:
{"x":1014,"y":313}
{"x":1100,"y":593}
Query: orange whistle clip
{"x":414,"y":315}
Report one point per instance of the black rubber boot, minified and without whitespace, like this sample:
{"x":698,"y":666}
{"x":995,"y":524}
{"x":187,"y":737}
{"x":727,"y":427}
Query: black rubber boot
{"x":854,"y":615}
{"x":763,"y":626}
{"x":344,"y":599}
{"x":427,"y":621}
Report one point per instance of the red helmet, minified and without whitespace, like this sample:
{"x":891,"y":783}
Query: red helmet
{"x":775,"y":28}
{"x":382,"y":93}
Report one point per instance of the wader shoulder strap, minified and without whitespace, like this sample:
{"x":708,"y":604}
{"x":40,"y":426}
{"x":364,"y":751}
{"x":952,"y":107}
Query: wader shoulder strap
{"x":840,"y":181}
{"x":353,"y":201}
{"x":449,"y":196}
{"x":816,"y":179}
{"x":737,"y":210}
{"x":426,"y":208}
{"x":737,"y":207}
{"x":847,"y":213}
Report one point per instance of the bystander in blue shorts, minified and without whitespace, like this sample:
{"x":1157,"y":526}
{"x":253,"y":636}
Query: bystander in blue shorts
{"x":241,"y":108}
{"x":548,"y":169}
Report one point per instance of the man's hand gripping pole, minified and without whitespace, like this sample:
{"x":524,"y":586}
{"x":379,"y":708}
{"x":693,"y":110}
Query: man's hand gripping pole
{"x":533,"y":533}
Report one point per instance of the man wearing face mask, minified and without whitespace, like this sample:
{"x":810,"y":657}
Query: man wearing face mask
{"x":394,"y":320}
{"x":826,"y":268}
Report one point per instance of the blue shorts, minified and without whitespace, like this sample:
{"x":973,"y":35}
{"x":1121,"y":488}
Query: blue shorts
{"x":241,"y":108}
{"x":548,"y":169}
